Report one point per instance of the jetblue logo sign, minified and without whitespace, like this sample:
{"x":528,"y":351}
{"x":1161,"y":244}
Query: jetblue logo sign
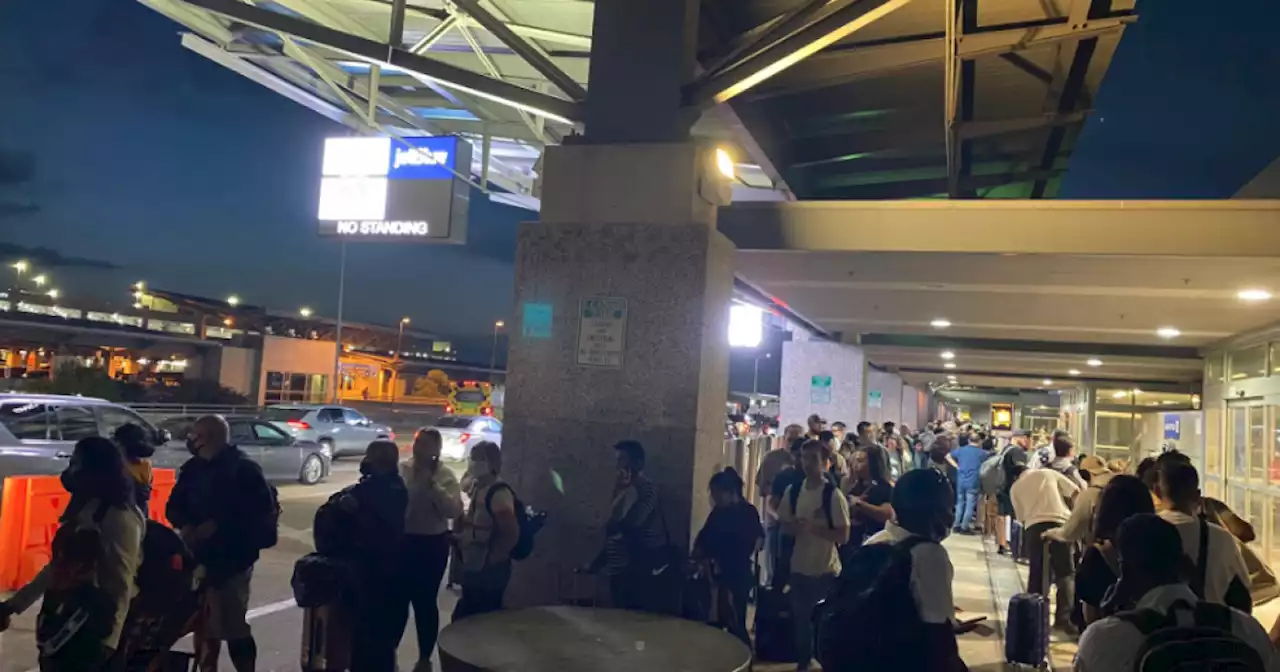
{"x":1172,"y":427}
{"x":395,"y":188}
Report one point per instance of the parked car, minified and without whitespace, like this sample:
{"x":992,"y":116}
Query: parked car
{"x":461,"y":432}
{"x":38,"y":431}
{"x":344,"y":430}
{"x":283,"y":457}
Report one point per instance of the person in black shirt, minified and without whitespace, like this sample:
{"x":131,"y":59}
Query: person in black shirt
{"x":869,"y":494}
{"x":727,"y":541}
{"x":1015,"y":454}
{"x":1123,"y":498}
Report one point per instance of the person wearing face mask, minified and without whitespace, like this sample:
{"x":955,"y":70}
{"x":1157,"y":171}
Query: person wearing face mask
{"x":633,"y":535}
{"x":96,"y":581}
{"x":434,"y":500}
{"x":226,"y":512}
{"x":486,"y":534}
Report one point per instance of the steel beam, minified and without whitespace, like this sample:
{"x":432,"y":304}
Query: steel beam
{"x":375,"y":52}
{"x":767,"y":34}
{"x":209,"y":26}
{"x":439,"y":31}
{"x":531,"y":54}
{"x":930,"y":186}
{"x":855,"y":62}
{"x":824,"y":32}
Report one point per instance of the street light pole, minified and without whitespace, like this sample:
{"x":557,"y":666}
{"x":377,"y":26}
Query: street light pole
{"x":493,"y":352}
{"x":755,"y":381}
{"x":395,"y":364}
{"x":337,"y":339}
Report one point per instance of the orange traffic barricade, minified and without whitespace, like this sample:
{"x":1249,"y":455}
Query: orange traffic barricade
{"x":30,"y":509}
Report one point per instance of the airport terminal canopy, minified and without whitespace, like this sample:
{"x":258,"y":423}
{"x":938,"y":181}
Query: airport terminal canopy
{"x":822,"y":99}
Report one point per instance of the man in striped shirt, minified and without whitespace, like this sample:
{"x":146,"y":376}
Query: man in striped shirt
{"x":634,"y":535}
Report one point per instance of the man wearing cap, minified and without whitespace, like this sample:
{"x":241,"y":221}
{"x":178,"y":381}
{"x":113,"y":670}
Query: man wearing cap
{"x":1015,"y":454}
{"x":1079,"y":527}
{"x":817,"y":425}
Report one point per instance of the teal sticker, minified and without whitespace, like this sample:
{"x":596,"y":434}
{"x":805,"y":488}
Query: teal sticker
{"x":535,"y":320}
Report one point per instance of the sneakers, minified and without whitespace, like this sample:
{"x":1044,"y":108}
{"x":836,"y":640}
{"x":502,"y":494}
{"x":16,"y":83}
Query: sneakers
{"x":1003,"y":550}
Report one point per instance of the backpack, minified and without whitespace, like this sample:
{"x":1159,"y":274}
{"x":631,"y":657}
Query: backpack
{"x":870,"y":621}
{"x":76,"y":614}
{"x":332,"y":526}
{"x":1202,"y":642}
{"x":828,"y":490}
{"x":991,"y":474}
{"x":527,"y":519}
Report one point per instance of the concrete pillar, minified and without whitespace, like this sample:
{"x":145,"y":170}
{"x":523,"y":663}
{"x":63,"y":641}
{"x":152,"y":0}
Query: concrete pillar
{"x":622,"y":294}
{"x":822,"y":377}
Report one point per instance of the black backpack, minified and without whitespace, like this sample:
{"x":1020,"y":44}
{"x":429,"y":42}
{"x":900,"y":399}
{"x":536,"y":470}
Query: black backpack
{"x":1204,"y":642}
{"x":870,"y":621}
{"x":76,"y":614}
{"x":828,"y":492}
{"x":332,"y":526}
{"x":528,"y":520}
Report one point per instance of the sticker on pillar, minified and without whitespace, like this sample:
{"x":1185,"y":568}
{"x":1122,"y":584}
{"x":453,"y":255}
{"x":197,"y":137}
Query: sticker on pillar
{"x":875,"y":399}
{"x":1173,"y":427}
{"x":535,"y":320}
{"x":602,"y":331}
{"x":820,"y":390}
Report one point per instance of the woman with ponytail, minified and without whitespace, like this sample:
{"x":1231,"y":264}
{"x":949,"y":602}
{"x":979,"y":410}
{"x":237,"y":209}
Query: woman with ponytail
{"x":727,"y":543}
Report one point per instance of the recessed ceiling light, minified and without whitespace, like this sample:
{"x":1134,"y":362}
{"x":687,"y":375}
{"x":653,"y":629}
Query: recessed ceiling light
{"x":949,"y":365}
{"x":1119,"y":395}
{"x":1168,"y":402}
{"x":1074,"y":372}
{"x":940,"y":323}
{"x":1094,"y":361}
{"x":1046,"y":381}
{"x":1136,"y":391}
{"x":947,"y":354}
{"x":1253,"y":295}
{"x":1168,"y":332}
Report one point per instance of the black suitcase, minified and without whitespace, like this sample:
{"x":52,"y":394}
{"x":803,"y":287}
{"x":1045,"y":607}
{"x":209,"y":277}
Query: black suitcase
{"x":1026,"y":629}
{"x":775,"y":631}
{"x":326,"y":638}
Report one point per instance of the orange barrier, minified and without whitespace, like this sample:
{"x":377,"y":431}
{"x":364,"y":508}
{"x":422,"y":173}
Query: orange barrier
{"x":29,"y":513}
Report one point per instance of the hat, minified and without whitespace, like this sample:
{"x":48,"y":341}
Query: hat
{"x":817,"y":418}
{"x":1021,"y":432}
{"x":1094,"y":465}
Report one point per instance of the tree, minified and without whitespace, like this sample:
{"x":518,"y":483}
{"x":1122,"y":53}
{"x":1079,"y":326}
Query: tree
{"x":435,"y":384}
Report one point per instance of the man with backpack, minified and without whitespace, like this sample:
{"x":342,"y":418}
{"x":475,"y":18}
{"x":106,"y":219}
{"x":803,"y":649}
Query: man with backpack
{"x":227,"y":513}
{"x":1014,"y":455}
{"x":1080,"y":526}
{"x":892,"y":608}
{"x":1042,"y":501}
{"x":487,"y":534}
{"x":816,"y":514}
{"x":1171,"y":628}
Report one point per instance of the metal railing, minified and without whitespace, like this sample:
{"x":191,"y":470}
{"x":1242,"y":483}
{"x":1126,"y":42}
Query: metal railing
{"x":170,"y":410}
{"x":745,"y":455}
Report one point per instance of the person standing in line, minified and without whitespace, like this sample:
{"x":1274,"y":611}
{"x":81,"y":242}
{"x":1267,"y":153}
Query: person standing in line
{"x":1063,"y":462}
{"x":1080,"y":526}
{"x":869,"y":494}
{"x":435,"y":499}
{"x":817,"y":425}
{"x":773,"y":463}
{"x":137,"y":449}
{"x":967,"y":459}
{"x":1042,"y":501}
{"x":1123,"y":498}
{"x":841,"y":430}
{"x":726,"y":542}
{"x":817,"y":515}
{"x":634,"y":533}
{"x":222,"y":507}
{"x":1015,"y":455}
{"x":487,"y":533}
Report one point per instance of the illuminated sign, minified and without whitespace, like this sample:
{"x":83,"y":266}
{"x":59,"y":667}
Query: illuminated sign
{"x":1002,"y":417}
{"x":411,"y":189}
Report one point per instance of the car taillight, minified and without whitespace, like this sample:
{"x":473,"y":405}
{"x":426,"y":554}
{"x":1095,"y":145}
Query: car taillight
{"x":464,"y":437}
{"x":391,"y":436}
{"x":298,"y":424}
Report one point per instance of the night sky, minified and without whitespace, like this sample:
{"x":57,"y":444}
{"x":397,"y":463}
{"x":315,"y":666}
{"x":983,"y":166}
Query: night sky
{"x":198,"y":180}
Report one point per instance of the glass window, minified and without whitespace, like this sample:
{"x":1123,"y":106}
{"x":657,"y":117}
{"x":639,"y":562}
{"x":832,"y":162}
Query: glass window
{"x":1213,"y":488}
{"x":330,"y":415}
{"x":1257,"y":518}
{"x":1248,"y":363}
{"x":495,"y":425}
{"x":1258,"y":443}
{"x":453,"y":422}
{"x":1238,"y":432}
{"x":178,"y":428}
{"x":25,"y":421}
{"x":353,"y":418}
{"x":275,"y":380}
{"x":1272,"y":540}
{"x":267,"y":433}
{"x":1235,"y":499}
{"x":1213,"y":441}
{"x":113,"y":417}
{"x":1213,"y":369}
{"x":76,"y":422}
{"x":242,"y":432}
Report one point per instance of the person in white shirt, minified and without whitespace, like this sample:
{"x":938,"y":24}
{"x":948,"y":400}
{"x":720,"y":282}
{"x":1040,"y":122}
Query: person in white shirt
{"x":435,"y":498}
{"x":1151,"y":567}
{"x":1220,"y":572}
{"x":1042,"y":502}
{"x":923,"y":506}
{"x":818,"y":516}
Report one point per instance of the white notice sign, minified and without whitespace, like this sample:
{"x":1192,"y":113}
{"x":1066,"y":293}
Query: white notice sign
{"x":602,"y":331}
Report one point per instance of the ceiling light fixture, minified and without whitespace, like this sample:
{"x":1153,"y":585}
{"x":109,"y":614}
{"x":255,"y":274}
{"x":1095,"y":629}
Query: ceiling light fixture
{"x":1047,"y":382}
{"x":940,"y":323}
{"x":1253,"y":295}
{"x":947,"y":354}
{"x":1168,"y":332}
{"x":949,"y":365}
{"x":1074,"y":372}
{"x":1120,"y":395}
{"x":1094,"y":361}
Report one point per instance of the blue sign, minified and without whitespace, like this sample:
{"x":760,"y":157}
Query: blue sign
{"x":431,"y":158}
{"x":1173,"y":427}
{"x":536,"y":320}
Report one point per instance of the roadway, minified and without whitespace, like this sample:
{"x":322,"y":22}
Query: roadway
{"x":276,"y":621}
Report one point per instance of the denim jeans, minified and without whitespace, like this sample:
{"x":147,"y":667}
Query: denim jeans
{"x":806,"y":593}
{"x":966,"y":506}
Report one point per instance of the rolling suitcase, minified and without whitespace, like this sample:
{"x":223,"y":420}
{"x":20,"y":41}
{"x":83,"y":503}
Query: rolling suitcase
{"x":1026,"y":629}
{"x":326,"y":638}
{"x":774,"y":628}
